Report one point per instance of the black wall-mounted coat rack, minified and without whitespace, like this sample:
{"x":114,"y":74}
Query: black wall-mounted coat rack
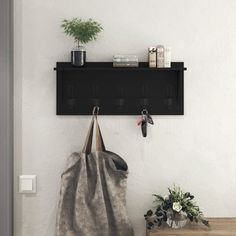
{"x":119,"y":91}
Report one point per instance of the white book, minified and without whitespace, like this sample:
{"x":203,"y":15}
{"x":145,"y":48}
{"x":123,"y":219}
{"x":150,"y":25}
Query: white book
{"x":168,"y":57}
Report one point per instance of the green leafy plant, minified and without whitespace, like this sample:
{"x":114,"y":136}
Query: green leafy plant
{"x":81,"y":31}
{"x":178,"y":202}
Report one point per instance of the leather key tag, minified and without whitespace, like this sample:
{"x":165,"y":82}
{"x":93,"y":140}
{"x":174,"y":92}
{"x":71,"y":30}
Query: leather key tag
{"x":144,"y":128}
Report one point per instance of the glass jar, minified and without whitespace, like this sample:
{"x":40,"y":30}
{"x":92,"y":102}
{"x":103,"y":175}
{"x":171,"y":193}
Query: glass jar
{"x":176,"y":220}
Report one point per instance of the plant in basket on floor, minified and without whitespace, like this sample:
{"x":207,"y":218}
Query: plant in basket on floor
{"x":82,"y":32}
{"x":176,"y":209}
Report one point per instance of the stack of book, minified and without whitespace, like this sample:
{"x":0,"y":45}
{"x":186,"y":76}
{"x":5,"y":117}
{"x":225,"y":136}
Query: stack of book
{"x":159,"y":57}
{"x":125,"y":61}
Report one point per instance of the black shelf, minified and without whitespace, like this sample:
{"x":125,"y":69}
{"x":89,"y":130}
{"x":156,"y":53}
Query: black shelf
{"x":62,"y":66}
{"x":119,"y":91}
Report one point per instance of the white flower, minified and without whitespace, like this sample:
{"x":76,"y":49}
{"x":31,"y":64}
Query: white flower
{"x":177,"y":206}
{"x":166,"y":197}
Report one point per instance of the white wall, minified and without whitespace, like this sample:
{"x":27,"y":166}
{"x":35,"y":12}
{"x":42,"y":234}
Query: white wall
{"x":196,"y":151}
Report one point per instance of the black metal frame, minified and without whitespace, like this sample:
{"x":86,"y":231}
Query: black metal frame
{"x":119,"y":91}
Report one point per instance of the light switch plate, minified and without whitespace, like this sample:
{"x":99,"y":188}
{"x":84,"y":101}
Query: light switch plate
{"x":27,"y":184}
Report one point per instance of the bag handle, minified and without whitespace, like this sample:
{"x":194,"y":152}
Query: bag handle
{"x":89,"y":139}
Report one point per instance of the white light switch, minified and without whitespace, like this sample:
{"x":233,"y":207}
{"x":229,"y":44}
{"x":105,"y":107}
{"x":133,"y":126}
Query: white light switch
{"x":27,"y":184}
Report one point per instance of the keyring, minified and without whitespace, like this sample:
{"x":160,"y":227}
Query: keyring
{"x":144,"y":112}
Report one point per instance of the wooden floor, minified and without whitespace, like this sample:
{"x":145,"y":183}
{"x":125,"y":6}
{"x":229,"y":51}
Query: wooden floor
{"x":219,"y":227}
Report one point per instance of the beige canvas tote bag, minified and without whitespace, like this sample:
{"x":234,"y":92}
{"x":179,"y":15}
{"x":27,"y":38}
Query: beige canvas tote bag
{"x":93,"y":192}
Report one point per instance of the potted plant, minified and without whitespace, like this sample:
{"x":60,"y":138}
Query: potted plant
{"x":82,"y":32}
{"x":176,"y":209}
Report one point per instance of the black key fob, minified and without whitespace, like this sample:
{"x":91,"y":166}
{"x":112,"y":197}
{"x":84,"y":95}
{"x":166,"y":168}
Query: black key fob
{"x":144,"y":128}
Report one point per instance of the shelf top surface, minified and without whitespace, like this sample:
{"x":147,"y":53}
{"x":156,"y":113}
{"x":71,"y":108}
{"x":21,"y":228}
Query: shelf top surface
{"x":218,"y":227}
{"x":175,"y":66}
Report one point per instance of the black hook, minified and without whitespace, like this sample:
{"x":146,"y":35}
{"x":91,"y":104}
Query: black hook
{"x":96,"y":110}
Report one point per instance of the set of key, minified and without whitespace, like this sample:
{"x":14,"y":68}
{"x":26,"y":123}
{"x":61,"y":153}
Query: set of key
{"x":144,"y":120}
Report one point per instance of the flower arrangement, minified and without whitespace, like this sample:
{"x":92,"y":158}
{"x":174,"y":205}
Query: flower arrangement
{"x":176,"y":204}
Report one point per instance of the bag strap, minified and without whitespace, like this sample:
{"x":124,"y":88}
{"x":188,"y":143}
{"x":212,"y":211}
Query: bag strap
{"x":100,"y":146}
{"x":89,"y":139}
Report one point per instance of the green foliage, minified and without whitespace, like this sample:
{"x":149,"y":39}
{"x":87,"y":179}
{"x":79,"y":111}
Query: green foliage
{"x":177,"y":201}
{"x":81,"y":31}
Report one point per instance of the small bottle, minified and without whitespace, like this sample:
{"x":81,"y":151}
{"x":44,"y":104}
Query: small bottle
{"x":152,"y":57}
{"x":160,"y":56}
{"x":168,"y":57}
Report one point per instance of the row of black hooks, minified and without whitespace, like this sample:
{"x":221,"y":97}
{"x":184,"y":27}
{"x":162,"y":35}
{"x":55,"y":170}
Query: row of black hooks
{"x":143,"y":121}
